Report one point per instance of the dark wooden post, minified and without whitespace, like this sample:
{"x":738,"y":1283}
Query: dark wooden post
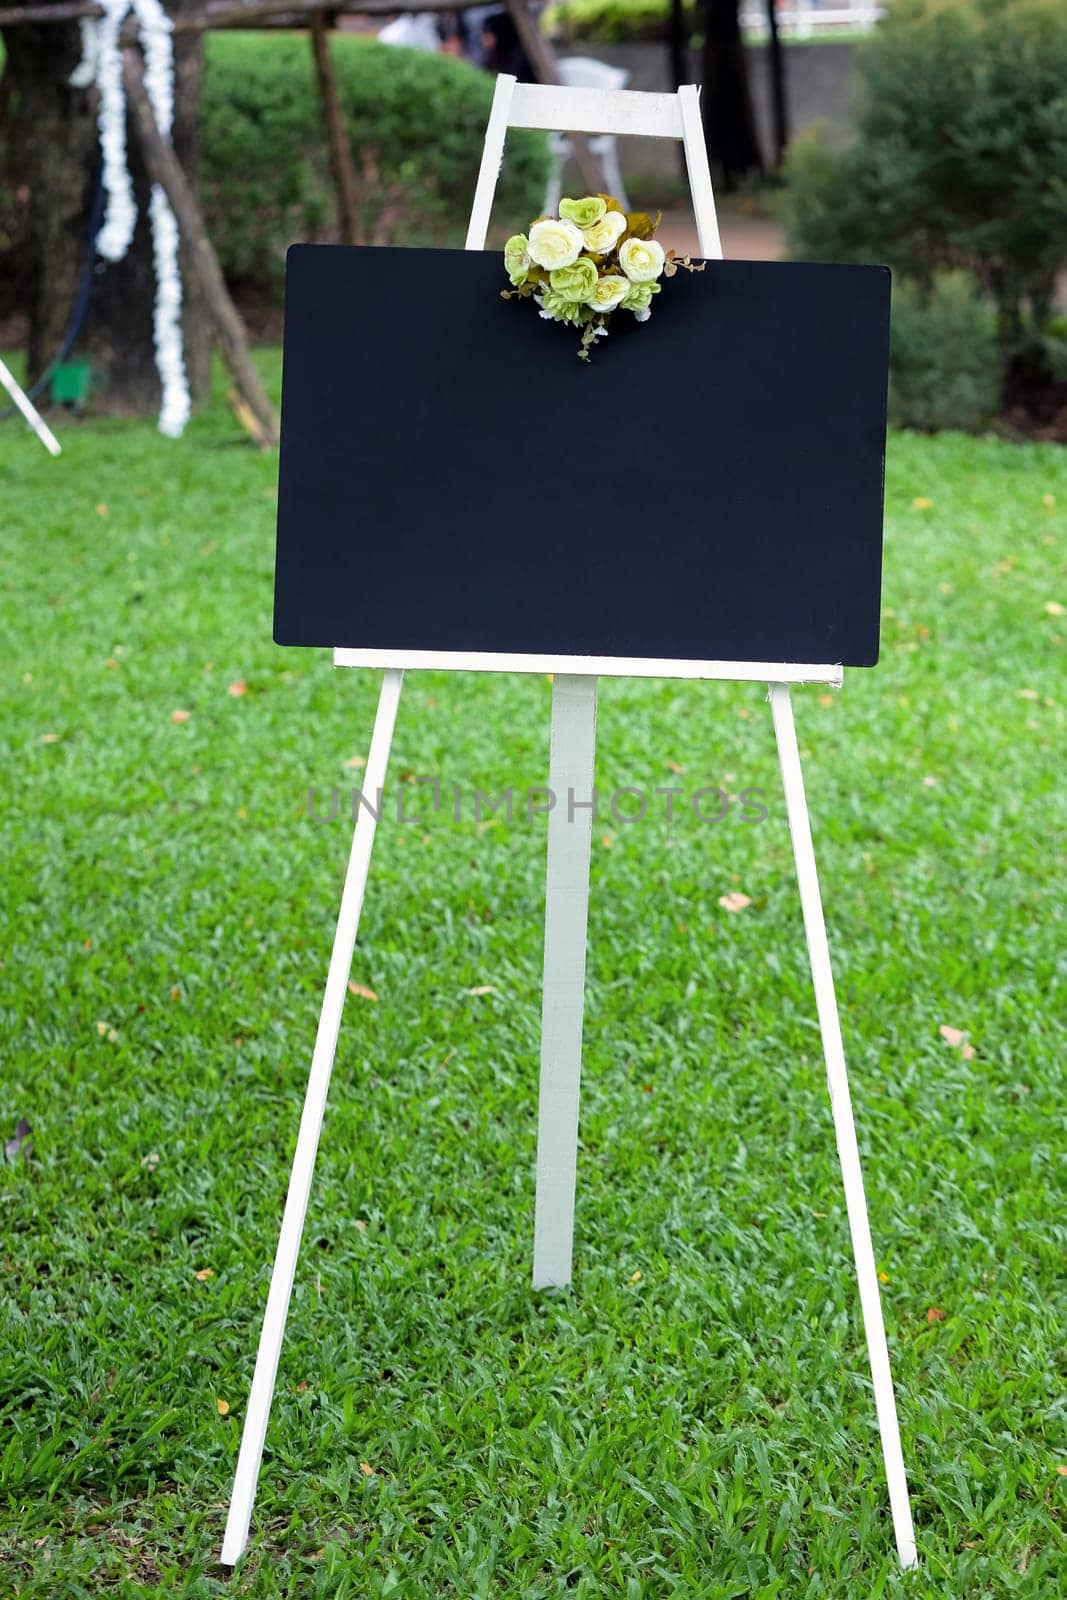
{"x":776,"y":59}
{"x":542,"y":58}
{"x":726,"y":104}
{"x":344,"y":175}
{"x":163,"y":168}
{"x":678,"y":49}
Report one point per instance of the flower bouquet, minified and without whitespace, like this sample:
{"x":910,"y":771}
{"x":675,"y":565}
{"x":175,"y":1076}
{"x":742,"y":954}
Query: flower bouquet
{"x":591,"y":260}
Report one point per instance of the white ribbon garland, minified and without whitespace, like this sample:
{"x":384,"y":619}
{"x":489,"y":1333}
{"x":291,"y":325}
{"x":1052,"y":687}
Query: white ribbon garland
{"x":102,"y":63}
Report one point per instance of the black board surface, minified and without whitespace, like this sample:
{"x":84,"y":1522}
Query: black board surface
{"x":709,"y":487}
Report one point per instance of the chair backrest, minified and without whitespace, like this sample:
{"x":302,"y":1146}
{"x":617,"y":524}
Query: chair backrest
{"x":586,"y":72}
{"x":562,"y":108}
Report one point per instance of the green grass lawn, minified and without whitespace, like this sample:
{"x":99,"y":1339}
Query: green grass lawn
{"x":694,"y":1416}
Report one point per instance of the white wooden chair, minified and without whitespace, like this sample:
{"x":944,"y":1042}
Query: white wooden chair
{"x":585,"y":72}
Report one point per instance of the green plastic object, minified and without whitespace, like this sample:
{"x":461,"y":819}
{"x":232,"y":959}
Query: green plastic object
{"x":70,"y":384}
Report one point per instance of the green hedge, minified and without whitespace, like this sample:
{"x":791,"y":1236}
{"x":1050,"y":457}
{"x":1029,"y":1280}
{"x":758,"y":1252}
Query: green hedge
{"x":613,"y":21}
{"x":945,"y":364}
{"x":415,"y":121}
{"x":958,"y":163}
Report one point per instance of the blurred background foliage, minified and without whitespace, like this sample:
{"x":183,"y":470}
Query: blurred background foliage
{"x":956,"y":175}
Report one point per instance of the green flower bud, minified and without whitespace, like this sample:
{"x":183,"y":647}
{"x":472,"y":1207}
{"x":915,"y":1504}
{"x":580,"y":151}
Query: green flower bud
{"x":575,"y":282}
{"x":517,"y":258}
{"x":583,"y":212}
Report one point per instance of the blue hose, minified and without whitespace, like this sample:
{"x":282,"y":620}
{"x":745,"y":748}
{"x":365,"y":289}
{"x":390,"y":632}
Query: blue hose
{"x":80,"y":309}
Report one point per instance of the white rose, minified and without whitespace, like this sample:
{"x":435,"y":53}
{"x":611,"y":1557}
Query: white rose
{"x":610,"y":292}
{"x":602,"y":236}
{"x":555,"y":244}
{"x":641,"y":260}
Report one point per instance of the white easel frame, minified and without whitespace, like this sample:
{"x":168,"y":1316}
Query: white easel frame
{"x":573,"y":734}
{"x":25,"y":406}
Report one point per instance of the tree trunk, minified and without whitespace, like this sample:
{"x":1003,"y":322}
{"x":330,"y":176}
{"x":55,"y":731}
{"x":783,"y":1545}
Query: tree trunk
{"x":776,"y":62}
{"x":50,"y":139}
{"x":729,"y":121}
{"x":55,"y":149}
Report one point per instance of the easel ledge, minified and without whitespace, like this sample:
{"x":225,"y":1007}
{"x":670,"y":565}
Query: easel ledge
{"x":594,"y":666}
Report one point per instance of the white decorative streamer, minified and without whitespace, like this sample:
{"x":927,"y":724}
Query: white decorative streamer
{"x":158,"y":46}
{"x":102,"y":62}
{"x":120,"y":218}
{"x":167,"y":324}
{"x":84,"y":74}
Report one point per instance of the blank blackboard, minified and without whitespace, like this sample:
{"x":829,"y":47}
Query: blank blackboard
{"x":453,"y":478}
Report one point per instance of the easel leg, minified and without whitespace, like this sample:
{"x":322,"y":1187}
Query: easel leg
{"x":29,"y":411}
{"x":570,"y":827}
{"x":296,"y":1204}
{"x":844,"y":1126}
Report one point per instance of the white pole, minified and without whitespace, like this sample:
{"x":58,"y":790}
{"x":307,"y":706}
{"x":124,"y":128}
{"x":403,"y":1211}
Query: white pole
{"x":296,"y":1204}
{"x":492,"y":156}
{"x":570,"y":827}
{"x":844,"y":1125}
{"x":696,"y":163}
{"x":30,"y":412}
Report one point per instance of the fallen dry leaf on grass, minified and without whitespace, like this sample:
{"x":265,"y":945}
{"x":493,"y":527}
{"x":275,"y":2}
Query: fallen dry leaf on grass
{"x":958,"y":1040}
{"x":735,"y":901}
{"x":356,"y":761}
{"x":238,"y":688}
{"x":50,"y":738}
{"x":366,"y":1469}
{"x":482,"y":988}
{"x":20,"y":1142}
{"x":362,"y":991}
{"x":921,"y":503}
{"x":204,"y":1274}
{"x":935,"y":1314}
{"x":222,"y":1407}
{"x":180,"y":716}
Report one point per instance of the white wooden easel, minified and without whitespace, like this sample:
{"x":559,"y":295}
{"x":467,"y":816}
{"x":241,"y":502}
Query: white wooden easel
{"x":591,"y":111}
{"x":29,"y":411}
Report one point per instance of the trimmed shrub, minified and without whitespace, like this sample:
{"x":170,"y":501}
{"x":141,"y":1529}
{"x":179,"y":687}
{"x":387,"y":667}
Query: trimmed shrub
{"x":945,"y":364}
{"x":613,"y":21}
{"x":416,"y":123}
{"x":959,"y":158}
